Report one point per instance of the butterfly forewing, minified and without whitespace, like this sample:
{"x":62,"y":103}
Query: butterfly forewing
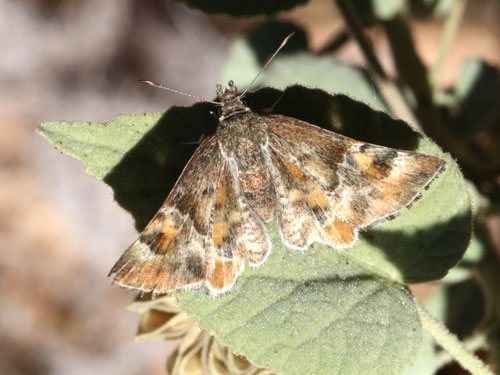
{"x":173,"y":250}
{"x":359,"y":183}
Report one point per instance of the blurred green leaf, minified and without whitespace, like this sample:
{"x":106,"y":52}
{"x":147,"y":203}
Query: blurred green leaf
{"x":242,"y":7}
{"x":387,"y":9}
{"x":476,"y":93}
{"x":443,"y":7}
{"x":264,"y":40}
{"x":425,"y":8}
{"x":489,"y":278}
{"x":460,"y":306}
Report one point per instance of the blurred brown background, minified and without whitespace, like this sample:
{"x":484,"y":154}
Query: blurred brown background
{"x":60,"y":230}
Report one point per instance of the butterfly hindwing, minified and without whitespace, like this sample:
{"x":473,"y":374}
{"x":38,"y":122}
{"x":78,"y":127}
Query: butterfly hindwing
{"x":304,"y":209}
{"x":236,"y":231}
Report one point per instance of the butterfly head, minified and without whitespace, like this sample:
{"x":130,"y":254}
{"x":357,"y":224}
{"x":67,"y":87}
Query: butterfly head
{"x":230,"y":102}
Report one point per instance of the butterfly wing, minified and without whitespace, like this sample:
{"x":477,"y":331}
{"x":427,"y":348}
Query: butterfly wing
{"x":236,"y":231}
{"x":171,"y":252}
{"x":328,"y":185}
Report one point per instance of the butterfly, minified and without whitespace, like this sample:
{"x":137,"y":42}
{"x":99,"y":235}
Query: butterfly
{"x":320,"y":186}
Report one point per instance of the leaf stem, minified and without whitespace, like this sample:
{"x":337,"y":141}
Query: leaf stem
{"x":451,"y":344}
{"x":471,"y":344}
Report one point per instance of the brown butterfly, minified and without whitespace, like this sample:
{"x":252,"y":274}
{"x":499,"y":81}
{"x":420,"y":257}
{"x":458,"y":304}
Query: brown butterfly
{"x":321,"y":186}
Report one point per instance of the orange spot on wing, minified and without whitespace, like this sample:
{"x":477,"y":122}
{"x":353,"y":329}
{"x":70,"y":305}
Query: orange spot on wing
{"x":223,"y":275}
{"x":168,"y":227}
{"x":368,"y":164}
{"x":393,"y":190}
{"x":219,"y":232}
{"x":294,"y":170}
{"x":316,"y":197}
{"x":167,"y":231}
{"x":339,"y":233}
{"x":221,"y":197}
{"x":363,"y":162}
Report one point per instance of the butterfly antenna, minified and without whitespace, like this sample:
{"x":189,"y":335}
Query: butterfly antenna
{"x":157,"y":85}
{"x":267,"y":63}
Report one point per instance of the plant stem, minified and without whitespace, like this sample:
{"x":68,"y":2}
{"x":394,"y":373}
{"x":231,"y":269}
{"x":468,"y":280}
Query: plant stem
{"x":355,"y":27}
{"x":477,"y":342}
{"x":451,"y":344}
{"x":341,"y":38}
{"x":411,"y":70}
{"x":450,"y":29}
{"x":396,"y":102}
{"x":389,"y":92}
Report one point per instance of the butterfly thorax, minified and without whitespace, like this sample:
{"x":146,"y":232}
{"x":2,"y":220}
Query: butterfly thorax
{"x":242,"y":135}
{"x":240,"y":132}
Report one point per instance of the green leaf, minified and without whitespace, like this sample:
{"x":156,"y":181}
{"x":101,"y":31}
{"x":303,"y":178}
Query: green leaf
{"x":460,"y":306}
{"x":320,"y":311}
{"x":100,"y":146}
{"x":476,"y":95}
{"x":242,"y":7}
{"x":139,"y":156}
{"x":313,"y":312}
